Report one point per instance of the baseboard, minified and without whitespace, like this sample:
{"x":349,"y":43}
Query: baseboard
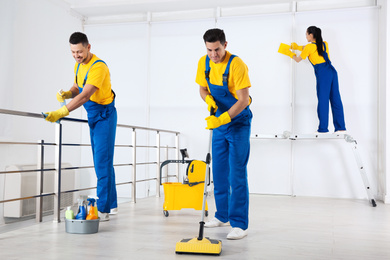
{"x":386,"y":199}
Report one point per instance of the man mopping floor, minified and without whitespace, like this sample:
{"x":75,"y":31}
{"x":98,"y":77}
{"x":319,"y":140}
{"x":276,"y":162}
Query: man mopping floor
{"x":224,"y":85}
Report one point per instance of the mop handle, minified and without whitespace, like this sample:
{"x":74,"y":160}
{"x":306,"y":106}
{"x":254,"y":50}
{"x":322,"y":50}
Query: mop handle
{"x":208,"y":161}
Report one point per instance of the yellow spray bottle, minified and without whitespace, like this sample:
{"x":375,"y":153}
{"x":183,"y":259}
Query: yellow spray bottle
{"x":96,"y":209}
{"x":91,"y":214}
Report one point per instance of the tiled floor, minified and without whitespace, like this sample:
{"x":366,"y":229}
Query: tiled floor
{"x":281,"y":227}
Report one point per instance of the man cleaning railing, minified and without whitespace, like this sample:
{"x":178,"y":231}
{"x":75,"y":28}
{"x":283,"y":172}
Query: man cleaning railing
{"x":92,"y":89}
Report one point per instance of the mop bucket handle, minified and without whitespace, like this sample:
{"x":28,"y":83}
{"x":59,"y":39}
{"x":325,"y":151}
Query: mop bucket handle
{"x":171,"y":161}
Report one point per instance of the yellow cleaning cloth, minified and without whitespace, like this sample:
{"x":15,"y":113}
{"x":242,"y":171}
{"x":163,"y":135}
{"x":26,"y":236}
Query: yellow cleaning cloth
{"x":283,"y":47}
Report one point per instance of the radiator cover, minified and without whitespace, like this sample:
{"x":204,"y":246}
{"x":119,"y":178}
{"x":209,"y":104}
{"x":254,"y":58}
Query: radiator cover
{"x":24,"y":184}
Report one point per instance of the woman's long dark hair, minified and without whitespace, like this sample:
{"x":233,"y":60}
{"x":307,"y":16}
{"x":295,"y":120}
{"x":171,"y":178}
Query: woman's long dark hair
{"x":317,"y":36}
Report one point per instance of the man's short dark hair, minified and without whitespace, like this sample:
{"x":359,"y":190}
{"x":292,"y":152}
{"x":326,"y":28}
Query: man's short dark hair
{"x":214,"y":35}
{"x":79,"y":37}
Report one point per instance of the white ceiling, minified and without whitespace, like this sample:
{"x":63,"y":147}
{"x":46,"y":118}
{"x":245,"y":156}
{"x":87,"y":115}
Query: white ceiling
{"x":96,"y":8}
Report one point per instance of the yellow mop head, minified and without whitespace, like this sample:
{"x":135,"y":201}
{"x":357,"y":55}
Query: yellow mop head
{"x":194,"y":246}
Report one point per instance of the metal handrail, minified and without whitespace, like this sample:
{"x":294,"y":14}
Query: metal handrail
{"x":36,"y":115}
{"x":58,"y":154}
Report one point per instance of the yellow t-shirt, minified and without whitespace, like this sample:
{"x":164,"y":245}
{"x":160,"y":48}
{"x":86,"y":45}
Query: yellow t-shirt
{"x":310,"y":50}
{"x":98,"y":76}
{"x":238,"y":74}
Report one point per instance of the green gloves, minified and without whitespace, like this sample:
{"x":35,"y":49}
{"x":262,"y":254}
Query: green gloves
{"x":54,"y":116}
{"x":211,"y":103}
{"x":295,"y":46}
{"x":215,"y":122}
{"x":64,"y":95}
{"x":285,"y":49}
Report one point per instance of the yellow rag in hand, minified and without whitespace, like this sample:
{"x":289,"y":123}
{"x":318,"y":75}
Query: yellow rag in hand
{"x":285,"y":49}
{"x":54,"y":116}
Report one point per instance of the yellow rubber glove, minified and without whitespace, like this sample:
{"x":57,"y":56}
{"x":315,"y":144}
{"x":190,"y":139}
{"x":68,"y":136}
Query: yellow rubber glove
{"x":54,"y":116}
{"x":64,"y":95}
{"x":288,"y":53}
{"x":285,"y":49}
{"x":295,"y":46}
{"x":211,"y":103}
{"x":215,"y":122}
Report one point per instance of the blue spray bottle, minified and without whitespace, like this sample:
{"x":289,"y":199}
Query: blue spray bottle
{"x":82,"y":214}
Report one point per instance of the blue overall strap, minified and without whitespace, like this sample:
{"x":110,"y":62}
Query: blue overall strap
{"x":207,"y":71}
{"x":309,"y":58}
{"x":225,"y":75}
{"x":325,"y":54}
{"x":77,"y":71}
{"x":86,"y":75}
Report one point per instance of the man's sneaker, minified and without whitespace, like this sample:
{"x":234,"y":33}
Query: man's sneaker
{"x":114,"y":211}
{"x":104,"y":216}
{"x":237,"y":233}
{"x":216,"y":223}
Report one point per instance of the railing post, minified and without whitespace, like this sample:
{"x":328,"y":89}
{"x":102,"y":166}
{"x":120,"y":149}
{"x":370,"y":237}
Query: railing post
{"x":177,"y":156}
{"x":57,"y":177}
{"x":40,"y":165}
{"x":134,"y":140}
{"x":166,"y":158}
{"x":158,"y":164}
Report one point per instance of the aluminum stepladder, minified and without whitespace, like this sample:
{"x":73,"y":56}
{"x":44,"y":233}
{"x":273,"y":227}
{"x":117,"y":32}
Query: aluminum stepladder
{"x":349,"y":139}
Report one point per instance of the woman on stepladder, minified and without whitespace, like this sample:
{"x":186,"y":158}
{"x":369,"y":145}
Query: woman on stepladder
{"x":327,"y":81}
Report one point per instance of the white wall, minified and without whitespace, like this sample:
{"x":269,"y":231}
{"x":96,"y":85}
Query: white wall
{"x":35,"y":62}
{"x":175,"y":101}
{"x":384,"y":96}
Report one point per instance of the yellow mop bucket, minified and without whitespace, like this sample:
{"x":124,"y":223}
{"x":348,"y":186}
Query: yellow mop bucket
{"x":189,"y":194}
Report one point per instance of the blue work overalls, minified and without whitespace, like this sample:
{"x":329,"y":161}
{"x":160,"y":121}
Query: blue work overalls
{"x":328,"y":90}
{"x":102,"y":120}
{"x":230,"y":150}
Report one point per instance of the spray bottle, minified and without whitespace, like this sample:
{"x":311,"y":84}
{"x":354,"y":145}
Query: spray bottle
{"x":82,"y":211}
{"x":95,"y":207}
{"x":91,"y":214}
{"x":69,"y":213}
{"x":60,"y":92}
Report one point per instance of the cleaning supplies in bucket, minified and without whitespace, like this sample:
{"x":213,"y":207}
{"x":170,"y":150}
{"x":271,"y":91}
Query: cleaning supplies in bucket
{"x":86,"y":221}
{"x":82,"y":213}
{"x":69,"y":213}
{"x":92,"y":211}
{"x":95,"y":207}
